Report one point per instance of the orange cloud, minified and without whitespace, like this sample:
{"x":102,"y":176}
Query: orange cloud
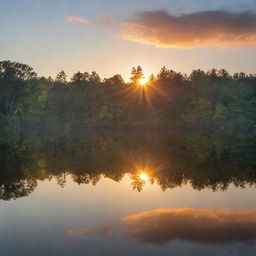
{"x":208,"y":28}
{"x":204,"y":226}
{"x":76,"y":231}
{"x":72,"y":19}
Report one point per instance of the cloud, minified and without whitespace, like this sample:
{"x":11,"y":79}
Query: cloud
{"x":195,"y":225}
{"x":72,"y":19}
{"x":208,"y":28}
{"x":103,"y":21}
{"x":77,"y":231}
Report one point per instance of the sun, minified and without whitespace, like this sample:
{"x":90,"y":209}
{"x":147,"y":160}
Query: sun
{"x":144,"y":176}
{"x":143,"y":81}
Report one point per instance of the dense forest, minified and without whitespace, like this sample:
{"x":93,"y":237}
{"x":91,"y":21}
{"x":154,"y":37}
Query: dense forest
{"x":213,"y":99}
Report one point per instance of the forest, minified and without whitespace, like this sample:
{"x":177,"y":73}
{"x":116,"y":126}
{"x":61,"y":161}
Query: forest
{"x":212,"y":99}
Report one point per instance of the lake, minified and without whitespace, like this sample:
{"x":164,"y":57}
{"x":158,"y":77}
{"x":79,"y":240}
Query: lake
{"x":128,"y":193}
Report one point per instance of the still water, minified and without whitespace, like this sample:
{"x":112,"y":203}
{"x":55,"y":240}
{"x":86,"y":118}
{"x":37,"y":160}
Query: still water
{"x":128,"y":193}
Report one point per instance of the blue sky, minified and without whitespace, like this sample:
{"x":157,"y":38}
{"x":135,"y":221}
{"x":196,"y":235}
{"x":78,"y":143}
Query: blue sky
{"x":36,"y":32}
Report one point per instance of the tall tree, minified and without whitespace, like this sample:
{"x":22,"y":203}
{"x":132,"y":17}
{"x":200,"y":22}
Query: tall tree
{"x":61,"y":77}
{"x":79,"y":78}
{"x":136,"y":74}
{"x":20,"y":90}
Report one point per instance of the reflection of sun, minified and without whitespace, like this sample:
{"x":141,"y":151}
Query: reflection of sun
{"x":143,"y":81}
{"x":144,"y":176}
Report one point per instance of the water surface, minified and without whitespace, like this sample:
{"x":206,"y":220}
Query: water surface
{"x":128,"y":193}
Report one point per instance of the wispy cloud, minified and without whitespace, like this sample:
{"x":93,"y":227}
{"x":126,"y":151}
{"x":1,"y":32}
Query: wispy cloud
{"x":104,"y":21}
{"x":77,"y":231}
{"x":204,"y":226}
{"x":72,"y":19}
{"x":208,"y":28}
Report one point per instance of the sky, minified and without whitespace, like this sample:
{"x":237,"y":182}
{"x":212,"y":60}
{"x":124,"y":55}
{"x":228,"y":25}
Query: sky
{"x":112,"y":36}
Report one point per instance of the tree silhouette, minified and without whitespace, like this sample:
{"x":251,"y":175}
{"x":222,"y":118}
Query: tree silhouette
{"x":79,"y":78}
{"x":61,"y":77}
{"x":136,"y":74}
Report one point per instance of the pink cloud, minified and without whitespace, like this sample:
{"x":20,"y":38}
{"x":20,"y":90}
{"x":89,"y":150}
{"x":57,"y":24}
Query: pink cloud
{"x":77,"y":231}
{"x":208,"y":28}
{"x":72,"y":19}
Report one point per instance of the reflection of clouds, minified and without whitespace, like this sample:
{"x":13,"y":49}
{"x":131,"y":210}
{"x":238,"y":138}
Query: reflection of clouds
{"x":76,"y":231}
{"x":205,"y":226}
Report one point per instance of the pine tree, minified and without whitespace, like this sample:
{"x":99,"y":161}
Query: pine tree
{"x":137,"y":74}
{"x":61,"y":77}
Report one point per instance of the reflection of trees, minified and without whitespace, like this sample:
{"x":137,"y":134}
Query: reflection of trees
{"x":137,"y":182}
{"x":19,"y":169}
{"x":86,"y":178}
{"x":209,"y":160}
{"x":17,"y":189}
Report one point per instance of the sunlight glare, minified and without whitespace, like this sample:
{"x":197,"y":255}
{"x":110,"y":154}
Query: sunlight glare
{"x":144,"y":176}
{"x":143,"y":81}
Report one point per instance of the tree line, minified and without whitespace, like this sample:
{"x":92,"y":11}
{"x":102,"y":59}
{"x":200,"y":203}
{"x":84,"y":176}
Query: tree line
{"x":169,"y":99}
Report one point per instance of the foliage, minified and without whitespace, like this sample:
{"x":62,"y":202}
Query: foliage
{"x":170,"y":99}
{"x":22,"y":94}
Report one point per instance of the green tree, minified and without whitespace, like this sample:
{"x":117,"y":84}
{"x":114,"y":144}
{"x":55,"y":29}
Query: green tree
{"x":21,"y":92}
{"x":105,"y":116}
